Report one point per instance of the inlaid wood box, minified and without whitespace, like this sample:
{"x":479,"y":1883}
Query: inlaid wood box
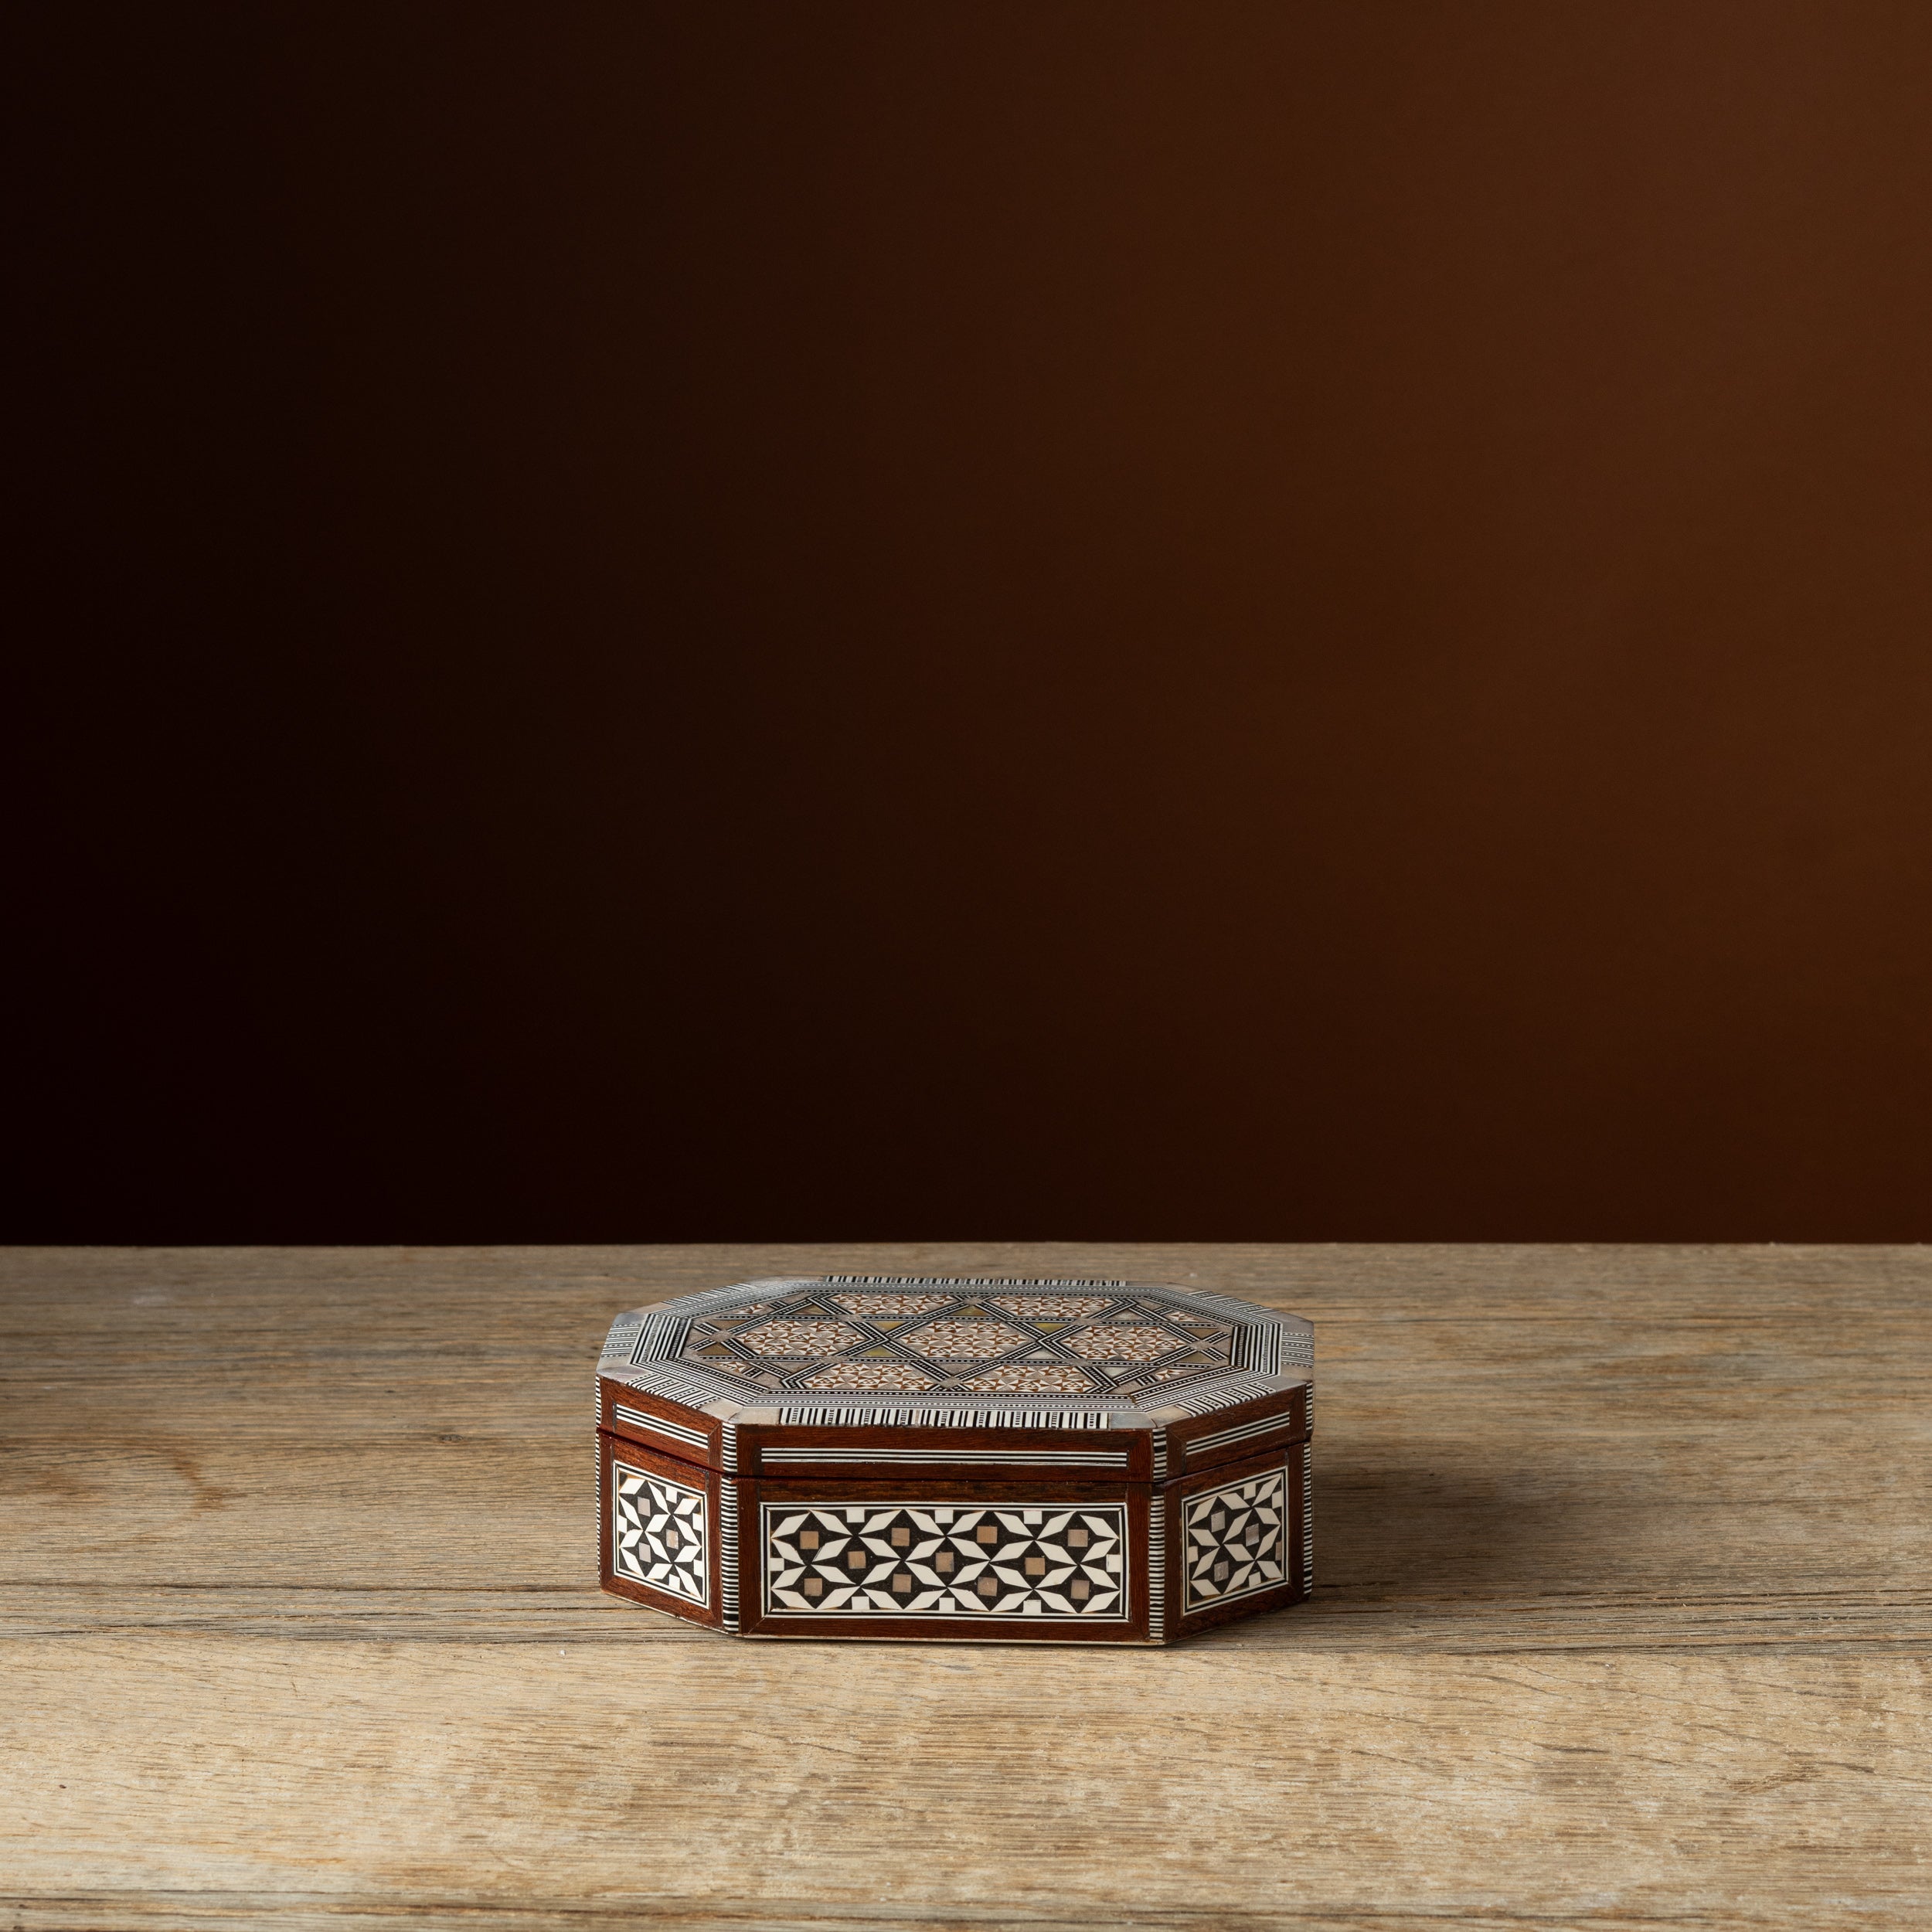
{"x":862,"y":1456}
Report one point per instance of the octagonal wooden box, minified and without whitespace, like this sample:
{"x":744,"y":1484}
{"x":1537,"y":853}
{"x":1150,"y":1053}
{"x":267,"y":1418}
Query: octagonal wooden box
{"x":861,"y":1456}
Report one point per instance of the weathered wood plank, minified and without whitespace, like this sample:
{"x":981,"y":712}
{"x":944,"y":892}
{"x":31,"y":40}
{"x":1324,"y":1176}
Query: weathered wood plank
{"x":1623,"y":1615}
{"x":687,"y":1775}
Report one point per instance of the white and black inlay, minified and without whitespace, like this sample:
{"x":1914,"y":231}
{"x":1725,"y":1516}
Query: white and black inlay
{"x":947,"y":1338}
{"x":928,"y":1560}
{"x":1237,"y":1539}
{"x":658,"y":1534}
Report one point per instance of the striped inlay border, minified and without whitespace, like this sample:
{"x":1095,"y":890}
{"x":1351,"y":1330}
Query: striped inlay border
{"x":1229,"y":1392}
{"x":1308,"y":1520}
{"x":661,"y":1338}
{"x":640,"y":1419}
{"x":1157,"y":1566}
{"x":1241,"y":1432}
{"x":728,"y":1553}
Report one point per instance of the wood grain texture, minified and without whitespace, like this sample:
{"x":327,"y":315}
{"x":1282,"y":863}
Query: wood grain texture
{"x":1623,"y":1617}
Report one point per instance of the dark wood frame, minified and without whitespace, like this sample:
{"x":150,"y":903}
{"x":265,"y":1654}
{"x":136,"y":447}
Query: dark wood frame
{"x":693,"y":1475}
{"x":898,"y":1483}
{"x":1181,"y":1622}
{"x":1290,"y":1404}
{"x":610,"y":1393}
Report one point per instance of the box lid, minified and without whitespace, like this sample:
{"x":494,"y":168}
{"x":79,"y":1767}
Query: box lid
{"x":823,"y":1375}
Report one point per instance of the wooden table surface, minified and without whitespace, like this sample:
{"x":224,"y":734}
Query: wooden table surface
{"x":1622,"y":1617}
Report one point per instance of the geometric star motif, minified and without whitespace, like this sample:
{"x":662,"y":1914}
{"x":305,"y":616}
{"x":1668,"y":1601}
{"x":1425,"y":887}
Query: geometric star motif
{"x":1236,"y":1539}
{"x":659,"y":1534}
{"x":965,"y":1341}
{"x":806,"y":1338}
{"x":944,"y":1560}
{"x":901,"y":1305}
{"x":1113,"y":1342}
{"x":947,"y":1338}
{"x":1030,"y":1378}
{"x":1051,"y":1308}
{"x":901,"y":1375}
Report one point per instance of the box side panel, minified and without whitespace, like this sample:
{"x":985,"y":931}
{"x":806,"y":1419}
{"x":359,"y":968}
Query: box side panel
{"x":1236,"y":1540}
{"x":1229,"y":1435}
{"x":661,"y":1524}
{"x":658,"y":1423}
{"x":910,"y":1554}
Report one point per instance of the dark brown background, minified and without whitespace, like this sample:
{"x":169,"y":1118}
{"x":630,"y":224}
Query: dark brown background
{"x":1292,"y":621}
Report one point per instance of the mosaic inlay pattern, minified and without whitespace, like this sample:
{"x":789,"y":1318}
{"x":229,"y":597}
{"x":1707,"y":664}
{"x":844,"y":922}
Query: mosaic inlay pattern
{"x":659,"y":1534}
{"x":1237,"y":1539}
{"x":928,"y":1560}
{"x":1113,"y":1341}
{"x":795,"y":1339}
{"x":966,"y":1341}
{"x":899,"y":1305}
{"x":869,"y":1375}
{"x":1051,"y":1308}
{"x":1014,"y":1342}
{"x":1038,"y":1378}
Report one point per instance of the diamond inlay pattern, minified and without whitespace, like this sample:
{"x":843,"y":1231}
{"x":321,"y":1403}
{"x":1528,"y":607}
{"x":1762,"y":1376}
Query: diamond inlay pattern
{"x":800,"y":1337}
{"x":1051,"y":1308}
{"x":943,"y":1339}
{"x":1113,"y":1342}
{"x":890,"y":1304}
{"x":965,"y":1341}
{"x":933,"y":1560}
{"x":869,"y":1375}
{"x":1237,"y":1539}
{"x":659,"y":1534}
{"x":1041,"y":1378}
